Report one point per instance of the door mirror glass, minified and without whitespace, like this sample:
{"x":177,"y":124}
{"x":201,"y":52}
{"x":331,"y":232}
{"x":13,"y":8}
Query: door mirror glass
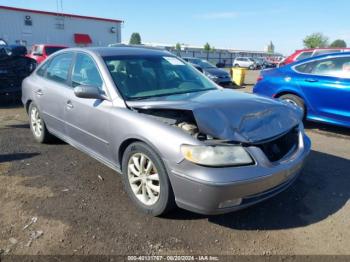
{"x":89,"y":92}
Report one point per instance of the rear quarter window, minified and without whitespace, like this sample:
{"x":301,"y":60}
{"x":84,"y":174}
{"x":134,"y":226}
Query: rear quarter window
{"x":306,"y":68}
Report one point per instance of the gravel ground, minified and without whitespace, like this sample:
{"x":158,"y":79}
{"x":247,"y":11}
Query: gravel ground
{"x":55,"y":200}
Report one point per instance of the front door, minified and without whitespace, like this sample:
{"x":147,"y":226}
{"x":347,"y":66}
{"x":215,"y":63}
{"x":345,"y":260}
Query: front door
{"x":88,"y":119}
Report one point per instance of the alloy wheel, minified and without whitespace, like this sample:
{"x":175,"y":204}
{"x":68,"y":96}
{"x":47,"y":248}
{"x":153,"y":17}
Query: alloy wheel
{"x":36,"y":122}
{"x":144,"y":179}
{"x":292,"y":102}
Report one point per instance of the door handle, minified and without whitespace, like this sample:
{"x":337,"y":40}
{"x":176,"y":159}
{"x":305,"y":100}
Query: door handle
{"x":39,"y":92}
{"x":311,"y":80}
{"x":69,"y":104}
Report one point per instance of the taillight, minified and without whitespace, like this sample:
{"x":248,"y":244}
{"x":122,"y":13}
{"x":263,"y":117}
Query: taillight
{"x":260,"y":78}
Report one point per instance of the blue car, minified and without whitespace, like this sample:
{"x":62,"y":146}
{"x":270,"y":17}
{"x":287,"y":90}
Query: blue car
{"x":319,"y":85}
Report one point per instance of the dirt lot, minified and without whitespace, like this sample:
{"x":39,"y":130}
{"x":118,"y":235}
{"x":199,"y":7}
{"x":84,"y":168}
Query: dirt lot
{"x":74,"y":211}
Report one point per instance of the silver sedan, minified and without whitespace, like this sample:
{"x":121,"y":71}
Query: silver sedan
{"x":177,"y":138}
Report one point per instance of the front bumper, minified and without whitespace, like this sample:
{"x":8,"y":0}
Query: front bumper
{"x":204,"y":190}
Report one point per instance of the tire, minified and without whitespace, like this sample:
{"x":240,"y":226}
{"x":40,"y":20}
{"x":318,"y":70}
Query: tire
{"x":236,"y":65}
{"x":37,"y":125}
{"x":251,"y":67}
{"x":139,"y":189}
{"x":295,"y":100}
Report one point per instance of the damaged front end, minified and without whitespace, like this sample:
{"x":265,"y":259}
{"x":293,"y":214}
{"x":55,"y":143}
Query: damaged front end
{"x":246,"y":121}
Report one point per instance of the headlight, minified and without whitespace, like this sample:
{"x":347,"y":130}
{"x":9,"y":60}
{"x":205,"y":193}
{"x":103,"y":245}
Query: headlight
{"x":216,"y":155}
{"x":212,"y":77}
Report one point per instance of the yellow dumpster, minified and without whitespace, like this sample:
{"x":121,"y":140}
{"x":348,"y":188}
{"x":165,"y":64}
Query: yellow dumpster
{"x":238,"y":75}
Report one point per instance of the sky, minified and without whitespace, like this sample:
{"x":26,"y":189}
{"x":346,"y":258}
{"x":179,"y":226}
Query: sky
{"x":235,"y":24}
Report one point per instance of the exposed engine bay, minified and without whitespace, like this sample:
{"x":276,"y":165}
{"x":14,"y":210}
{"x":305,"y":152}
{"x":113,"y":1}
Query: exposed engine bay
{"x":182,"y":119}
{"x":222,"y":115}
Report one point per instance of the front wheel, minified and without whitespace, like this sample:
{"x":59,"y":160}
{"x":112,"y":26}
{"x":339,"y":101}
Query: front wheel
{"x":146,"y":180}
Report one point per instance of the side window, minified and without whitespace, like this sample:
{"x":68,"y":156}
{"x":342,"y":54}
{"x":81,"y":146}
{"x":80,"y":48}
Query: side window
{"x":304,"y":55}
{"x":42,"y":70}
{"x":85,"y":72}
{"x":58,"y":69}
{"x":334,"y":67}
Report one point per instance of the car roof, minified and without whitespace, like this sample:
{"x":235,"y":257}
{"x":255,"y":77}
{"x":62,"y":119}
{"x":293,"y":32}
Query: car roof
{"x":50,"y":45}
{"x":321,"y":48}
{"x":338,"y":54}
{"x":125,"y":51}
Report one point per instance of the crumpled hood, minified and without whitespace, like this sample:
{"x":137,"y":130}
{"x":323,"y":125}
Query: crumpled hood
{"x":230,"y":115}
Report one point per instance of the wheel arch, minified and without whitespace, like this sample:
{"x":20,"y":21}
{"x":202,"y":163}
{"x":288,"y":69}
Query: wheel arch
{"x":290,"y":92}
{"x":127,"y":142}
{"x":29,"y":101}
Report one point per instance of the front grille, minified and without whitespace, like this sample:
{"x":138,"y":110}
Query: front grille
{"x":277,"y":149}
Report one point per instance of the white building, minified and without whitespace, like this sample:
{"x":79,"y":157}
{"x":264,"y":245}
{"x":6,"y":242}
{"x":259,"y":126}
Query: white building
{"x":28,"y":27}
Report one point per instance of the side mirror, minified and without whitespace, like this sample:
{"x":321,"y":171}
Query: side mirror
{"x":89,"y":92}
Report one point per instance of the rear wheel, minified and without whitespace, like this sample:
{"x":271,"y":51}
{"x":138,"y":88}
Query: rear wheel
{"x":37,"y":125}
{"x":146,"y":180}
{"x":295,"y":100}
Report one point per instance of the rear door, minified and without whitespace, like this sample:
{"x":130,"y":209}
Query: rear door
{"x":326,"y":85}
{"x":52,"y":91}
{"x":88,"y":119}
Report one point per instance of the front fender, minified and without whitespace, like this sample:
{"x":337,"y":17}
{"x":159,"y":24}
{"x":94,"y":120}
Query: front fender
{"x":165,"y":139}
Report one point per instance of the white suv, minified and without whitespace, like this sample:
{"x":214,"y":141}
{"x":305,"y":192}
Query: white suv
{"x":244,"y":62}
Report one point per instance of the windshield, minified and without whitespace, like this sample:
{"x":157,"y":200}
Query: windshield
{"x":51,"y":49}
{"x":202,"y":63}
{"x":150,"y":76}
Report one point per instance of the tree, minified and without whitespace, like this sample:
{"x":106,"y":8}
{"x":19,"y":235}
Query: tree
{"x":316,"y":40}
{"x":207,"y":48}
{"x":338,"y":43}
{"x":178,"y":48}
{"x":135,"y":39}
